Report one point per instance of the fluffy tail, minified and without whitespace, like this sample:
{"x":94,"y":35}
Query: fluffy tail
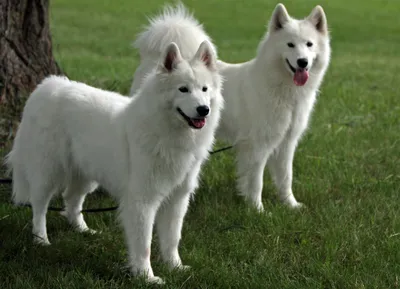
{"x":7,"y":164}
{"x":20,"y":194}
{"x":174,"y":24}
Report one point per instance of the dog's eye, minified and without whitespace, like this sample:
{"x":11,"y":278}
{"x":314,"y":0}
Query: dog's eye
{"x":204,"y":88}
{"x":309,"y":44}
{"x":183,"y":89}
{"x":290,"y":44}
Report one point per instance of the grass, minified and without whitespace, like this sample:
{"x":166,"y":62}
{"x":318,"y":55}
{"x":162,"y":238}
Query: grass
{"x":346,"y":167}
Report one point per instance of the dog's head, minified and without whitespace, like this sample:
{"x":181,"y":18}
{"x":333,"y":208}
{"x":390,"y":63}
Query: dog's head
{"x":303,"y":45}
{"x":190,"y":85}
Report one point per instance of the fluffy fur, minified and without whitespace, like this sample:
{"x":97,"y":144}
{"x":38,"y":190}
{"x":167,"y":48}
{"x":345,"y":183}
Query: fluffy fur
{"x":147,"y":150}
{"x":268,"y":99}
{"x":174,"y":23}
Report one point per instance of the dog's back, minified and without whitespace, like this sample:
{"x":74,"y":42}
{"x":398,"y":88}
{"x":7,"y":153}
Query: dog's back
{"x":57,"y":113}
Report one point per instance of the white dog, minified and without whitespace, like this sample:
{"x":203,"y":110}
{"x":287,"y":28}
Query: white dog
{"x":268,"y":99}
{"x":147,"y":150}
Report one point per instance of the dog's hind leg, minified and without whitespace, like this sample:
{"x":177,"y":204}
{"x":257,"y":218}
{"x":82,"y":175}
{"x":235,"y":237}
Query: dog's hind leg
{"x":40,"y":197}
{"x":74,"y":196}
{"x":170,"y":219}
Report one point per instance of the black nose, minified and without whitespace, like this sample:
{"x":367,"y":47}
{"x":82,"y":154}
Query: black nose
{"x":203,"y":110}
{"x":302,"y":62}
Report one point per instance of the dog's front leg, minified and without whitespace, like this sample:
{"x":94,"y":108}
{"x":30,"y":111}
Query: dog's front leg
{"x":170,"y":219}
{"x":280,"y":165}
{"x":251,"y":160}
{"x":138,"y":218}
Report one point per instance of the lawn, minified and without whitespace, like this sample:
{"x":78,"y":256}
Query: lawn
{"x":346,"y":168}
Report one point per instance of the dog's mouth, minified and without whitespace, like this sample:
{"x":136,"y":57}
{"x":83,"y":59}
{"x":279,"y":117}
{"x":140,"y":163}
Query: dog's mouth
{"x":300,"y":74}
{"x":196,"y":123}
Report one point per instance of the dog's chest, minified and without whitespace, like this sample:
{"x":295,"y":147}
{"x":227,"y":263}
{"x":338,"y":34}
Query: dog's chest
{"x":291,"y":112}
{"x":275,"y":119}
{"x":284,"y":110}
{"x":170,"y":170}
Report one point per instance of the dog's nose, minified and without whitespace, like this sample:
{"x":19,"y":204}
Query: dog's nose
{"x":203,"y":110}
{"x":302,"y":62}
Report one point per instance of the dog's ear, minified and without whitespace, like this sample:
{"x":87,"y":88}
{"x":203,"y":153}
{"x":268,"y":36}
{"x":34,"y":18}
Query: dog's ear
{"x":279,"y":18}
{"x":318,"y":19}
{"x":172,"y":56}
{"x":206,"y":54}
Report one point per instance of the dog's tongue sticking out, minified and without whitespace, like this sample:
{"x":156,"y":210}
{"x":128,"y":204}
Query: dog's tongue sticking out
{"x":300,"y":77}
{"x":199,"y":123}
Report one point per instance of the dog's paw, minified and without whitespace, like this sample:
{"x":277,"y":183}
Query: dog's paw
{"x":291,"y":202}
{"x":91,"y":231}
{"x":155,"y":280}
{"x":182,"y":268}
{"x":258,"y":206}
{"x":177,"y":266}
{"x":297,"y":206}
{"x":268,"y":214}
{"x":85,"y":229}
{"x":41,"y":241}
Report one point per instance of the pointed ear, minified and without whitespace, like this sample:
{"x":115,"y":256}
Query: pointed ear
{"x":172,"y":56}
{"x":279,"y":18}
{"x":206,"y":54}
{"x":318,"y":19}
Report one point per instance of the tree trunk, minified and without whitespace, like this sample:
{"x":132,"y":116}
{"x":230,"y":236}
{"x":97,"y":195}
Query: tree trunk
{"x":26,"y":56}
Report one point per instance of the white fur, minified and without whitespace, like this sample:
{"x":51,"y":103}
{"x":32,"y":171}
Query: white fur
{"x":174,"y":23}
{"x":139,"y":149}
{"x":266,"y":113}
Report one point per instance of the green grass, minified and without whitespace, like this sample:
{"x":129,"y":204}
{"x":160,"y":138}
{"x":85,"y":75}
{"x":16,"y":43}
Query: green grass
{"x":346,"y":167}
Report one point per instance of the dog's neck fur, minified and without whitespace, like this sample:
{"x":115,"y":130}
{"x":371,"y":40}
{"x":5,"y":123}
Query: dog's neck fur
{"x":170,"y":131}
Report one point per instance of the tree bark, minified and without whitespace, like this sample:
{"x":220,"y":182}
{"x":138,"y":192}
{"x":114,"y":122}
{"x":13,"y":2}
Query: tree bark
{"x":26,"y":55}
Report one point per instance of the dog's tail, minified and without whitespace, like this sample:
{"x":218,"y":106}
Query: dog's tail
{"x":20,"y":193}
{"x":174,"y":24}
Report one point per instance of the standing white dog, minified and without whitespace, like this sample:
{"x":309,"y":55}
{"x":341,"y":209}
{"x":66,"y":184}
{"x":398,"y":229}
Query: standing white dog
{"x":147,"y":150}
{"x":268,"y":99}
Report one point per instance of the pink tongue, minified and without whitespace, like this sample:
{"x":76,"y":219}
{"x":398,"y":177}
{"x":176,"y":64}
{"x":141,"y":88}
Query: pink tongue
{"x":300,"y":77}
{"x":199,"y":123}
